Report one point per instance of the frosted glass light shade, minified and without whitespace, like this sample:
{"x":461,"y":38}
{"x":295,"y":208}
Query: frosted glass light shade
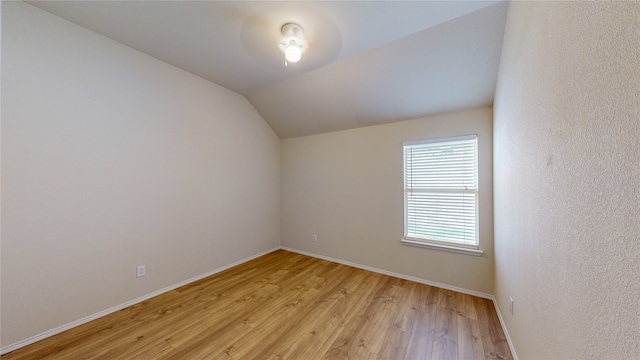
{"x":293,"y":53}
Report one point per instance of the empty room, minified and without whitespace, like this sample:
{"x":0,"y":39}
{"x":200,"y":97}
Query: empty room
{"x":320,"y":180}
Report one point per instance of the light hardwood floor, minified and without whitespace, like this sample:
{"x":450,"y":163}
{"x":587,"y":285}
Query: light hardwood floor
{"x":289,"y":306}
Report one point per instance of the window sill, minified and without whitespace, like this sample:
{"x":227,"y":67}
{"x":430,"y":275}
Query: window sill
{"x":454,"y":249}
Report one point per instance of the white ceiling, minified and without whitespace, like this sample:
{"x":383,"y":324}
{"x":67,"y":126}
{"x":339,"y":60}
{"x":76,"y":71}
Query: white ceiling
{"x":368,"y":62}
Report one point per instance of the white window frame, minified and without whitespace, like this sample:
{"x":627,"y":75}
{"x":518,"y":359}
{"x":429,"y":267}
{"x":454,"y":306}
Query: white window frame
{"x":469,"y":186}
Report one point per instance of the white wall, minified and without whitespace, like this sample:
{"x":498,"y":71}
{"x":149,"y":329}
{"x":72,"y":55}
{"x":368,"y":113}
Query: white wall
{"x":347,"y":187}
{"x":112,"y":159}
{"x":566,"y":171}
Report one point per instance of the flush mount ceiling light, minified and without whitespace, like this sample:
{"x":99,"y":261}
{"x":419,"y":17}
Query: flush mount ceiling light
{"x":292,"y":43}
{"x":262,"y":31}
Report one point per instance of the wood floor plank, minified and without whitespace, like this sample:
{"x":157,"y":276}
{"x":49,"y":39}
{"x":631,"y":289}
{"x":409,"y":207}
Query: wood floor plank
{"x":285,"y":305}
{"x":420,"y":344}
{"x":394,"y":345}
{"x":267,"y":330}
{"x":350,"y":343}
{"x":493,"y":339}
{"x":382,"y":318}
{"x":445,"y":343}
{"x":469,"y":338}
{"x":272,"y":293}
{"x":323,"y":319}
{"x":469,"y":341}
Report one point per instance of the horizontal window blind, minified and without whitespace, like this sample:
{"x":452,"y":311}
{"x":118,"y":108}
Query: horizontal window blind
{"x":441,"y":191}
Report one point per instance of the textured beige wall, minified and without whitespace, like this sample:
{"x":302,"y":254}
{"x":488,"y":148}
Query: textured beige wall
{"x":566,"y":171}
{"x":112,"y":159}
{"x":347,"y":187}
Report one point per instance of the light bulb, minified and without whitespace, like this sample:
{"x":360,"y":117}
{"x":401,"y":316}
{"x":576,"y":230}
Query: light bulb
{"x":293,"y":53}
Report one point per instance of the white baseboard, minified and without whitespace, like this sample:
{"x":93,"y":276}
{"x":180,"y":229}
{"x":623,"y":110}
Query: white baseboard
{"x":100,"y":314}
{"x":397,"y":275}
{"x":421,"y":281}
{"x":504,"y":328}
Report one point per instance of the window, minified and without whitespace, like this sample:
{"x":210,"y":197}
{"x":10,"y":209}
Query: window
{"x":441,"y":194}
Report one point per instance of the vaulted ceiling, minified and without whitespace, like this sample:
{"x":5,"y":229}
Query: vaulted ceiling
{"x":368,"y":62}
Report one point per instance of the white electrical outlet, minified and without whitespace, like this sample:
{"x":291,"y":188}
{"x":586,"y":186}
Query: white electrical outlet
{"x":511,"y":305}
{"x":315,"y":237}
{"x":141,"y":271}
